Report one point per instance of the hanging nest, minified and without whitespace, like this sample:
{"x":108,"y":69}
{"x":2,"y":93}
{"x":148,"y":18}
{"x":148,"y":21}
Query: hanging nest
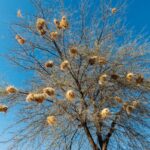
{"x":57,"y":24}
{"x":105,"y":113}
{"x":129,"y":109}
{"x":93,"y":60}
{"x":39,"y":98}
{"x":40,"y":24}
{"x":64,"y":23}
{"x":54,"y":36}
{"x":11,"y":90}
{"x":118,"y":99}
{"x":3,"y":108}
{"x":135,"y":104}
{"x":103,"y":79}
{"x":139,"y":79}
{"x":51,"y":120}
{"x":70,"y":95}
{"x":73,"y":51}
{"x":64,"y":65}
{"x":114,"y":76}
{"x":20,"y":40}
{"x":30,"y":97}
{"x":130,"y":77}
{"x":42,"y":32}
{"x":125,"y":105}
{"x":19,"y":14}
{"x":49,"y":64}
{"x":102,"y":60}
{"x":113,"y":10}
{"x":49,"y":91}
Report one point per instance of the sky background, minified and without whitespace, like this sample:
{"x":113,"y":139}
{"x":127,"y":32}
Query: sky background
{"x":138,"y":16}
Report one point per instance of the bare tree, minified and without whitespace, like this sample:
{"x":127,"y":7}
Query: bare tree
{"x":89,"y":84}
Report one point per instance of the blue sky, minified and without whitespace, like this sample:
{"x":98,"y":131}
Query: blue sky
{"x":138,"y":16}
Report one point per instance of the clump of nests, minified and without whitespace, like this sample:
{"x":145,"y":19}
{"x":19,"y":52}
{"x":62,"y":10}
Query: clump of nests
{"x":131,"y":77}
{"x":36,"y":97}
{"x":129,"y":107}
{"x":41,"y":97}
{"x":97,"y":60}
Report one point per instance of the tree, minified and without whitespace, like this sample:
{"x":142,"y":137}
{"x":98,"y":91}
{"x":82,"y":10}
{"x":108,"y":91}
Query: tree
{"x":89,"y":87}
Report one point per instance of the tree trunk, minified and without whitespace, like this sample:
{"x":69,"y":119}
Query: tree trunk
{"x":104,"y":146}
{"x":94,"y":146}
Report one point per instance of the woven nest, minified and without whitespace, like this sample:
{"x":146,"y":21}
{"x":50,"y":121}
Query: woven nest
{"x":73,"y":51}
{"x":49,"y":91}
{"x":105,"y":113}
{"x":20,"y":40}
{"x":11,"y":90}
{"x":64,"y":65}
{"x":51,"y":120}
{"x":70,"y":95}
{"x":3,"y":108}
{"x":54,"y":35}
{"x":49,"y":64}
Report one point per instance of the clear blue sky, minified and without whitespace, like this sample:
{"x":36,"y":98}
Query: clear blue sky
{"x":138,"y":16}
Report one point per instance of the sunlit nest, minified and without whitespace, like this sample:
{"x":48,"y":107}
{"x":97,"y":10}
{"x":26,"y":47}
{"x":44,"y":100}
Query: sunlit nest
{"x":130,"y":76}
{"x":105,"y":113}
{"x":118,"y":99}
{"x":51,"y":120}
{"x":57,"y":24}
{"x":103,"y":79}
{"x":30,"y":97}
{"x":64,"y":65}
{"x":3,"y":108}
{"x":73,"y":51}
{"x":54,"y":35}
{"x":49,"y":91}
{"x":49,"y":64}
{"x":64,"y":23}
{"x":70,"y":95}
{"x":20,"y":39}
{"x":129,"y":109}
{"x":40,"y":23}
{"x":11,"y":90}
